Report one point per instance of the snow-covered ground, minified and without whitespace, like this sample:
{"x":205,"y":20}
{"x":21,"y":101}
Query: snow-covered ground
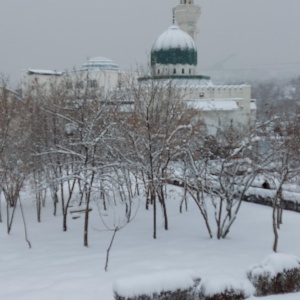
{"x":58,"y":267}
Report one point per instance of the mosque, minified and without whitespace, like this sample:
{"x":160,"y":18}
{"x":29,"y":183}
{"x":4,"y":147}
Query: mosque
{"x":173,"y":57}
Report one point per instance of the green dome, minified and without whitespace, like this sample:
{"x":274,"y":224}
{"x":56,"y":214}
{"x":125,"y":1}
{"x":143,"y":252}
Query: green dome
{"x":174,"y":47}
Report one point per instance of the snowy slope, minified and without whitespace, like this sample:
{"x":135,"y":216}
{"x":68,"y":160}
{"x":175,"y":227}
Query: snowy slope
{"x":58,"y":267}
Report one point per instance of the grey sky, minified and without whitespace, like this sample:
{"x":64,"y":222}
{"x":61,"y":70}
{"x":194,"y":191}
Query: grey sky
{"x":61,"y":34}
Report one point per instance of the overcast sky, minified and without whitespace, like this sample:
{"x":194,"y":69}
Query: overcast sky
{"x":62,"y":34}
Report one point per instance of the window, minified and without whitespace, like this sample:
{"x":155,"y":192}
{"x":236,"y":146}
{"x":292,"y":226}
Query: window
{"x":92,"y":83}
{"x":158,"y":71}
{"x":182,"y":71}
{"x":174,"y":71}
{"x":190,"y":71}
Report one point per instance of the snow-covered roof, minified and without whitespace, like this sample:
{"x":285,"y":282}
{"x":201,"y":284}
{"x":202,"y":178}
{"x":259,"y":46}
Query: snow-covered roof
{"x":43,"y":72}
{"x":214,"y":104}
{"x":100,"y":63}
{"x":174,"y":38}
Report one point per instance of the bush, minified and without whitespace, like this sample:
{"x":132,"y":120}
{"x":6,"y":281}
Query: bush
{"x":165,"y":295}
{"x":225,"y":288}
{"x":226,"y":295}
{"x":159,"y":286}
{"x":277,"y":274}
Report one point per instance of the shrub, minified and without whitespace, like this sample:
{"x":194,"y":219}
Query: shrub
{"x":164,"y":295}
{"x":225,"y":288}
{"x":226,"y":295}
{"x":159,"y":286}
{"x":277,"y":274}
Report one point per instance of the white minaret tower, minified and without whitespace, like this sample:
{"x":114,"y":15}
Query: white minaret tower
{"x":187,"y":15}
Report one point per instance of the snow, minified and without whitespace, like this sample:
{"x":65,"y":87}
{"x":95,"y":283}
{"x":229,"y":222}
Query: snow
{"x":265,"y":193}
{"x":218,"y":284}
{"x":43,"y":72}
{"x":214,"y":104}
{"x":174,"y":38}
{"x":70,"y":128}
{"x":58,"y":267}
{"x":295,"y":296}
{"x":275,"y":263}
{"x":155,"y":282}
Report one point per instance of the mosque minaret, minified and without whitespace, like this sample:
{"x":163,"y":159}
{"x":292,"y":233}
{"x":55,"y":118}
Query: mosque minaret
{"x":187,"y":14}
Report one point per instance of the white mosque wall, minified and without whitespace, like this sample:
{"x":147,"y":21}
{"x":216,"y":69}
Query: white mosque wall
{"x":220,"y":116}
{"x":100,"y":82}
{"x":218,"y":91}
{"x":221,"y":106}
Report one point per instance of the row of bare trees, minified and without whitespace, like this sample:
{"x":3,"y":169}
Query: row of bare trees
{"x":117,"y":147}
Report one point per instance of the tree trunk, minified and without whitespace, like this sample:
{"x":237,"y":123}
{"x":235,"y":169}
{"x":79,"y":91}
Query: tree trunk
{"x":86,"y":224}
{"x":153,"y":200}
{"x":0,"y":208}
{"x":87,"y":212}
{"x":66,"y":207}
{"x":109,"y":247}
{"x":197,"y":200}
{"x":38,"y":206}
{"x":163,"y":204}
{"x":24,"y":223}
{"x":184,"y":200}
{"x":275,"y":228}
{"x":55,"y":202}
{"x":280,"y":215}
{"x":10,"y":218}
{"x":219,"y":218}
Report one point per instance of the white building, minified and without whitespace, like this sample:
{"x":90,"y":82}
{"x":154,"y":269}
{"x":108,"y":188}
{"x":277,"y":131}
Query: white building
{"x":98,"y":74}
{"x":173,"y":57}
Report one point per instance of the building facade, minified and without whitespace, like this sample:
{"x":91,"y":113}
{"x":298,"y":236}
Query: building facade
{"x":98,"y":75}
{"x":174,"y":57}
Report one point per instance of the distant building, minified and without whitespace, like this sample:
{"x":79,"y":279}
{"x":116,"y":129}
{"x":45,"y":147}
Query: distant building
{"x":98,"y":74}
{"x":173,"y":57}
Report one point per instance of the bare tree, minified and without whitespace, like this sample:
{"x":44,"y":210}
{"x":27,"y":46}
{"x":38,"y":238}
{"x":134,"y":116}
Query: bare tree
{"x":219,"y":170}
{"x":152,"y":137}
{"x":122,"y":207}
{"x":281,"y":136}
{"x":14,"y":149}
